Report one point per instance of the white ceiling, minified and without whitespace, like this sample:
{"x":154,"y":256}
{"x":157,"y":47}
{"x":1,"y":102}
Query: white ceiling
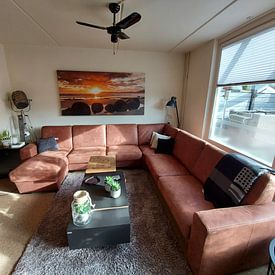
{"x":166,"y":25}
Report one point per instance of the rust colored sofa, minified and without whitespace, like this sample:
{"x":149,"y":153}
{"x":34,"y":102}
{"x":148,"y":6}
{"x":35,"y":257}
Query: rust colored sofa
{"x":216,"y":240}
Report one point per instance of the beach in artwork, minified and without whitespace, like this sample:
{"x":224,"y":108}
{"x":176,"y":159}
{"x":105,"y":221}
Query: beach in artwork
{"x":101,"y":93}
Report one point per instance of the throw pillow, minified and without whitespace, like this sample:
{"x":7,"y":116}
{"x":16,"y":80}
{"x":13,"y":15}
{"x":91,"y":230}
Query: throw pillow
{"x":154,"y":139}
{"x":47,"y":144}
{"x":165,"y":146}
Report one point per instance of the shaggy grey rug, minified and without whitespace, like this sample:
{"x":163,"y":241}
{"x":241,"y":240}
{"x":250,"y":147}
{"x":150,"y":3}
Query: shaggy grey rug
{"x":153,"y":248}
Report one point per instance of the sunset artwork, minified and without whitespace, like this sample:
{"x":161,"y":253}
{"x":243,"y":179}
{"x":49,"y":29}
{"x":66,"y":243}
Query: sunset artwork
{"x":101,"y":93}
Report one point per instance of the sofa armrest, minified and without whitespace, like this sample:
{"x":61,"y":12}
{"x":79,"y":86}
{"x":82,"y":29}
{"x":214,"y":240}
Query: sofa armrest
{"x":227,"y":240}
{"x":28,"y":151}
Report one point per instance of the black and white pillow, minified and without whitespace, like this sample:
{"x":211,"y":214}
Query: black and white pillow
{"x":154,"y":139}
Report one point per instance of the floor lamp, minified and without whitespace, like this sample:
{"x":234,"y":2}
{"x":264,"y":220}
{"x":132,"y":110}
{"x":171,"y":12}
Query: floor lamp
{"x":173,"y":104}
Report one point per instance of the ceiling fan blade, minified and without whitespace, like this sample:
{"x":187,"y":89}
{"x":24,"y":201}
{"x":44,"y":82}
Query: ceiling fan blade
{"x":91,"y":25}
{"x":129,"y":20}
{"x":123,"y":35}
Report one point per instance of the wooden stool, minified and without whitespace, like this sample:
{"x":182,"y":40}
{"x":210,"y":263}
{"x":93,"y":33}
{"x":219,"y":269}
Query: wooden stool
{"x":99,"y":164}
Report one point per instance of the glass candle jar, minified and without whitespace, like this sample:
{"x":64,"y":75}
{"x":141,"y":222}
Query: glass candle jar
{"x":81,"y":208}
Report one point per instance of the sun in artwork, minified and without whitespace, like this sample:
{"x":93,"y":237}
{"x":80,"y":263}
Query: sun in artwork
{"x":95,"y":90}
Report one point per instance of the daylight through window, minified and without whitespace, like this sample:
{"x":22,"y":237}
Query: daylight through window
{"x":244,"y":109}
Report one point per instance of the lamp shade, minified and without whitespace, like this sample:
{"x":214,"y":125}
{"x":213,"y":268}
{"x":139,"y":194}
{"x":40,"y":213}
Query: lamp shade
{"x":172,"y":102}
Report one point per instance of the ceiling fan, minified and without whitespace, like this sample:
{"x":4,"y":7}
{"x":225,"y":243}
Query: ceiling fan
{"x":115,"y":29}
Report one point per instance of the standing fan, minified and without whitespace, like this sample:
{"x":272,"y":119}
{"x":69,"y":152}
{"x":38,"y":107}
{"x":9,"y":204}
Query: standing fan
{"x":20,"y":101}
{"x":115,"y":29}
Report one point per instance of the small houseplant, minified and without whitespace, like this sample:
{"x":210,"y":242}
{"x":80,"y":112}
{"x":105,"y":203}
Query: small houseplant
{"x":115,"y":189}
{"x":109,"y":180}
{"x":5,"y":138}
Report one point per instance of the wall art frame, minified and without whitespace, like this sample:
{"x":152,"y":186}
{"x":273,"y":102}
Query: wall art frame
{"x":101,"y":93}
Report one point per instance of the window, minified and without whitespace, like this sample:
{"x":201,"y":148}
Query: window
{"x":244,"y":110}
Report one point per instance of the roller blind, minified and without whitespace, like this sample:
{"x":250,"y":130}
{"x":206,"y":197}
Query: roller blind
{"x":250,"y":60}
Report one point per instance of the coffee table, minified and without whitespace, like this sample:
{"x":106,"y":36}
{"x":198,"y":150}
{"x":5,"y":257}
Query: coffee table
{"x":110,"y":221}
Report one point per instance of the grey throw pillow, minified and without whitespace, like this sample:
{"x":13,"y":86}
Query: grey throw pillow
{"x":47,"y":144}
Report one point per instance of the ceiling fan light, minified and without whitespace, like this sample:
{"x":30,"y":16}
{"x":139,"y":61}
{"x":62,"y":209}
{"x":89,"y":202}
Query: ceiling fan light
{"x":114,"y":38}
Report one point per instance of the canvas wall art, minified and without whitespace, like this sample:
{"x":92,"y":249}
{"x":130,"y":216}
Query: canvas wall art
{"x":101,"y":93}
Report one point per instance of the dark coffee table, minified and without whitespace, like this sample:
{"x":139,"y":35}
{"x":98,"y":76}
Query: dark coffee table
{"x":110,"y":221}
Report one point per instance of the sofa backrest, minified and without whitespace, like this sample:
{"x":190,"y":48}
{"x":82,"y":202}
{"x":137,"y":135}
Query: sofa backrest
{"x":206,"y":162}
{"x":187,"y":148}
{"x":85,"y":136}
{"x":170,"y":131}
{"x":121,"y":134}
{"x":62,"y":133}
{"x":262,"y":192}
{"x":145,"y":132}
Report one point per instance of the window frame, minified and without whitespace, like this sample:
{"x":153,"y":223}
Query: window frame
{"x":263,"y":22}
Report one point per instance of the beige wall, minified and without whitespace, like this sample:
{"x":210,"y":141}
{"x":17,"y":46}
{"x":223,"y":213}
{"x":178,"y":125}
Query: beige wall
{"x":197,"y":86}
{"x":4,"y":90}
{"x":33,"y":70}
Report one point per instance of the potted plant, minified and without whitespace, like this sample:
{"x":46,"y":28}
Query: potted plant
{"x":109,"y":180}
{"x":5,"y":138}
{"x":115,"y":190}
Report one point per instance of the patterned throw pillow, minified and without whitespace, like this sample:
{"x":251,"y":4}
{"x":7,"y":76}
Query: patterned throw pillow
{"x":47,"y":144}
{"x":154,"y":139}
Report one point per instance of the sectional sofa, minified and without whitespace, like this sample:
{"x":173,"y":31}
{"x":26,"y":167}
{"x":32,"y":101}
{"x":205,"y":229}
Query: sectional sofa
{"x":216,"y":240}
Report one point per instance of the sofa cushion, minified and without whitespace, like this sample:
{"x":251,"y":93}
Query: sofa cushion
{"x":145,"y":132}
{"x":147,"y":150}
{"x":122,"y":134}
{"x":262,"y":192}
{"x":62,"y":133}
{"x":164,"y":165}
{"x":89,"y":136}
{"x":39,"y":168}
{"x":165,"y":146}
{"x":83,"y":155}
{"x":206,"y":162}
{"x":56,"y":154}
{"x":188,"y":148}
{"x":155,"y":137}
{"x":184,"y":197}
{"x":125,"y":152}
{"x":170,"y":131}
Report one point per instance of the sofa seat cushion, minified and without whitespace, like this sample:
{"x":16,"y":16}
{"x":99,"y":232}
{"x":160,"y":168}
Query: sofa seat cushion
{"x":164,"y":165}
{"x":147,"y":150}
{"x":56,"y":154}
{"x":125,"y":152}
{"x":83,"y":155}
{"x":38,"y":169}
{"x":184,"y":197}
